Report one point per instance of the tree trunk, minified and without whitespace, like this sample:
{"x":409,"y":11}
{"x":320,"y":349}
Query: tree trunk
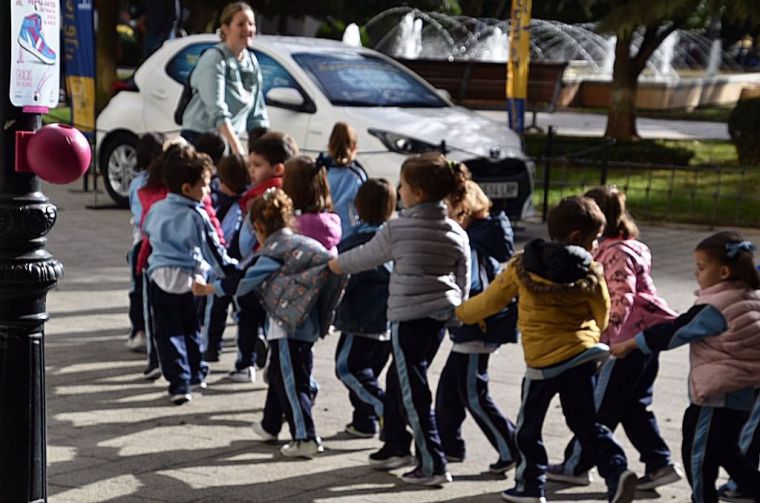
{"x":108,"y":13}
{"x":621,"y":116}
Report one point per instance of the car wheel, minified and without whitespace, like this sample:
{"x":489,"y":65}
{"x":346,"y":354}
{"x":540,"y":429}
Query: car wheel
{"x":118,"y":161}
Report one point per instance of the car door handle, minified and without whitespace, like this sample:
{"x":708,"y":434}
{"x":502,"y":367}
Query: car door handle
{"x":158,"y":94}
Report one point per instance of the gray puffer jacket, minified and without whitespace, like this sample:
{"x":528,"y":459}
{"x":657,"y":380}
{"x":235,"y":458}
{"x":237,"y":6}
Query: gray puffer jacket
{"x":431,"y":268}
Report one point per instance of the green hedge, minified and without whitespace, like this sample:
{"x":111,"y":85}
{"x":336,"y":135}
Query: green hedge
{"x":645,"y":151}
{"x":744,"y":128}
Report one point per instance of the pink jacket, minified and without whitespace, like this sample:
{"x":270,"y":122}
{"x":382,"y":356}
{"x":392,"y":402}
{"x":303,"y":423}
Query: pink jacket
{"x":324,"y":227}
{"x":635,"y":304}
{"x":729,"y":361}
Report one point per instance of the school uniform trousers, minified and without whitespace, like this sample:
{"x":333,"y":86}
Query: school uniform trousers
{"x":575,"y":388}
{"x":215,"y":321}
{"x":749,"y":441}
{"x":409,"y":400}
{"x":463,"y":386}
{"x":712,"y":439}
{"x":251,"y":320}
{"x":136,"y":316}
{"x":178,"y":339}
{"x":290,"y":389}
{"x":150,"y":331}
{"x":623,"y":395}
{"x":358,"y":362}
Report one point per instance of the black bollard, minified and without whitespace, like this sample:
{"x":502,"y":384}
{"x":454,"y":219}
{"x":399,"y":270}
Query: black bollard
{"x":27,"y":272}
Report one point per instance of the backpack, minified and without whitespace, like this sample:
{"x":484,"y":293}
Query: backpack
{"x":188,"y":92}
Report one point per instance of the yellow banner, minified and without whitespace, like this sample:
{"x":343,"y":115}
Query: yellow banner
{"x":519,"y":50}
{"x":82,"y":94}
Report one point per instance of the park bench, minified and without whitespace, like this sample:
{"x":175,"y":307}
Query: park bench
{"x":483,"y":84}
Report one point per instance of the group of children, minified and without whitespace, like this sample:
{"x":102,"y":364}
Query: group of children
{"x":279,"y":234}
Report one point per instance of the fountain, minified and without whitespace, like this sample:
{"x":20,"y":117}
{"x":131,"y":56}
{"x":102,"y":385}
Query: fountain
{"x":687,"y":69}
{"x":352,"y":36}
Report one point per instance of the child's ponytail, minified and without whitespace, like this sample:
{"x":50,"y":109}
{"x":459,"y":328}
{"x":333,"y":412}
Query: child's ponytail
{"x":437,"y":177}
{"x":611,"y":201}
{"x":731,"y":250}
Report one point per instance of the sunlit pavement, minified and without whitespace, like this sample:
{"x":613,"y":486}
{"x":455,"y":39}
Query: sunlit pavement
{"x":114,"y":437}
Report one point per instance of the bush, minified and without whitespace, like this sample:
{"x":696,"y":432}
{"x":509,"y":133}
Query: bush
{"x":744,"y":128}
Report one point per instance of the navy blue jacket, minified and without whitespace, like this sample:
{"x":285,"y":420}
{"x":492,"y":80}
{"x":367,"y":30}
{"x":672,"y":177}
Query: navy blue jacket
{"x":491,"y":244}
{"x":364,"y":305}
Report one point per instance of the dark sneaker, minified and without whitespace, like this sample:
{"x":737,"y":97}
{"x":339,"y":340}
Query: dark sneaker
{"x":515,"y":496}
{"x":388,"y":458}
{"x":211,"y":355}
{"x":660,"y":477}
{"x":501,"y":466}
{"x":417,"y":477}
{"x":356,"y":432}
{"x":262,"y":351}
{"x":729,"y":492}
{"x":557,"y":473}
{"x":625,"y":489}
{"x":453,"y":458}
{"x":180,"y":398}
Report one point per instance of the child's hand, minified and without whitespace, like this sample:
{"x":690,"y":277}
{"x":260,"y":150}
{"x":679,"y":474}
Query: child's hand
{"x":201,"y":289}
{"x":622,"y":349}
{"x":333,"y":265}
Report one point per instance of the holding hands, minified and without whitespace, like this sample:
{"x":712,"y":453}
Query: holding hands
{"x":622,"y":349}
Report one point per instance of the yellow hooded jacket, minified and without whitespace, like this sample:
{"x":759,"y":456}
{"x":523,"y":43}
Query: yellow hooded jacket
{"x":557,"y":320}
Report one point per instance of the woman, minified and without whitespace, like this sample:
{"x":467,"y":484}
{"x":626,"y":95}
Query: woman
{"x":228,"y":83}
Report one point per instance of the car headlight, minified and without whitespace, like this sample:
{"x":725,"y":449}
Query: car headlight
{"x":404,"y":144}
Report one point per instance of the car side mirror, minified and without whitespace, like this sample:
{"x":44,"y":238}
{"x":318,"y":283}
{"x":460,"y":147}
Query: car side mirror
{"x":285,"y":97}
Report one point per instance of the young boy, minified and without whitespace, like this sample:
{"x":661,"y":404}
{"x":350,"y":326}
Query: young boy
{"x":564,"y":306}
{"x":183,"y":243}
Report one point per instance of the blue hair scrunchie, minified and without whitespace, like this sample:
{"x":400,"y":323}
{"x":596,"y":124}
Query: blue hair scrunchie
{"x":732,"y":249}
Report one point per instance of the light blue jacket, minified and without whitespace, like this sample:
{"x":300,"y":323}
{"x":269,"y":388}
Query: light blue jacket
{"x":344,"y":182}
{"x":182,"y":236}
{"x":227,"y":90}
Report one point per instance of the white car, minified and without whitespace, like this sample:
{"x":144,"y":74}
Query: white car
{"x":309,"y":84}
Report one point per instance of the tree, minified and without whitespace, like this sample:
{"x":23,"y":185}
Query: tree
{"x":655,"y":21}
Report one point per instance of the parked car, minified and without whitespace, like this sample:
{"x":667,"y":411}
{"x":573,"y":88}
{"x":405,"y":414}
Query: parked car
{"x":309,"y":84}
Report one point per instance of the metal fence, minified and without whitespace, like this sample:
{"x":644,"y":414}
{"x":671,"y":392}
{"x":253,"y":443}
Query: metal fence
{"x":712,"y":195}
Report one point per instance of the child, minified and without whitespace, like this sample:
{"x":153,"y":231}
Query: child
{"x":305,"y":182}
{"x":149,"y":146}
{"x":624,"y":387}
{"x":344,"y":173}
{"x":463,"y":384}
{"x":723,"y":333}
{"x":233,"y":181}
{"x":431,"y":276}
{"x":364,"y":345}
{"x":183,"y":243}
{"x":213,"y":144}
{"x":564,"y":306}
{"x":288,"y":273}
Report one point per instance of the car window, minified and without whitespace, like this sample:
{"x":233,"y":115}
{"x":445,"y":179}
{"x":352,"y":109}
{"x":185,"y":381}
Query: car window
{"x":354,"y":79}
{"x":275,"y":75}
{"x":180,"y":66}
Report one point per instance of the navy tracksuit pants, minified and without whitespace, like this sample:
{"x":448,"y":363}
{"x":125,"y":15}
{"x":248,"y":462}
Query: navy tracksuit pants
{"x":464,"y":386}
{"x":215,"y":321}
{"x":623,"y":395}
{"x":290,"y":389}
{"x":251,"y":345}
{"x":150,"y":331}
{"x":408,"y":396}
{"x":749,"y":441}
{"x":575,"y":388}
{"x":178,"y":339}
{"x":358,"y":362}
{"x":711,"y":439}
{"x":136,"y":316}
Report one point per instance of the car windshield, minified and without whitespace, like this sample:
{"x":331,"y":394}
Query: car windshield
{"x":361,"y":80}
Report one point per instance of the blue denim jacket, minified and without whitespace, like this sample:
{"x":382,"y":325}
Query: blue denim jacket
{"x":364,"y":304}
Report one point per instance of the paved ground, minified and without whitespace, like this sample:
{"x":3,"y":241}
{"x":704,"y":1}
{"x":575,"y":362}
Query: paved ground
{"x":585,"y":124}
{"x":113,"y":436}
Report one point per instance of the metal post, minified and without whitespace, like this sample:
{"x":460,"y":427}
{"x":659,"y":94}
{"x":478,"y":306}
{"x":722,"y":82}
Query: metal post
{"x":27,"y":272}
{"x":605,"y":163}
{"x":547,"y":170}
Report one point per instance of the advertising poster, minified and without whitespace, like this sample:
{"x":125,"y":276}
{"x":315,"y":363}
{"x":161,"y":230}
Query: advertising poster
{"x":517,"y":65}
{"x":35,"y":55}
{"x":79,"y":62}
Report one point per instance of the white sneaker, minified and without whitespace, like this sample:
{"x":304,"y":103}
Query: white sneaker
{"x":301,"y":449}
{"x":180,"y":398}
{"x":263,"y":434}
{"x":138,"y":343}
{"x":247,"y":374}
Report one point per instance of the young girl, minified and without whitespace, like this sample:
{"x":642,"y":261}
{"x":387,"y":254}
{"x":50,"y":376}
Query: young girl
{"x":344,"y":173}
{"x":463,"y":384}
{"x":431,"y":276}
{"x":624,"y":388}
{"x":723,"y":331}
{"x":364,"y":345}
{"x":290,"y":276}
{"x":305,"y":182}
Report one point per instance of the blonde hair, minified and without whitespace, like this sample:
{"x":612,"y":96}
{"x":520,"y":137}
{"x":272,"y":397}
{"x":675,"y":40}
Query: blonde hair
{"x":473,"y":203}
{"x":342,"y":143}
{"x":229,"y":11}
{"x":273,"y":210}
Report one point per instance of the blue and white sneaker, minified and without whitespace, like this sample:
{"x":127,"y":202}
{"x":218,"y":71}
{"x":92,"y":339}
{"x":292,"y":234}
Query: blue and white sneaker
{"x":30,"y":38}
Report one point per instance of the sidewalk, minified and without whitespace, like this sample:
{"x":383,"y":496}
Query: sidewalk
{"x":114,"y":437}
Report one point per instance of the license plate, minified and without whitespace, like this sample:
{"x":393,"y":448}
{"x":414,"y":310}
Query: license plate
{"x":499,"y":190}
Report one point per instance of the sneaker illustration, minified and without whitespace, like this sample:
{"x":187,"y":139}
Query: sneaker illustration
{"x":30,"y":39}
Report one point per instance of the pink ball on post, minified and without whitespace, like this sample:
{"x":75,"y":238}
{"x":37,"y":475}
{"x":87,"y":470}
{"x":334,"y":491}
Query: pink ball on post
{"x":57,"y":153}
